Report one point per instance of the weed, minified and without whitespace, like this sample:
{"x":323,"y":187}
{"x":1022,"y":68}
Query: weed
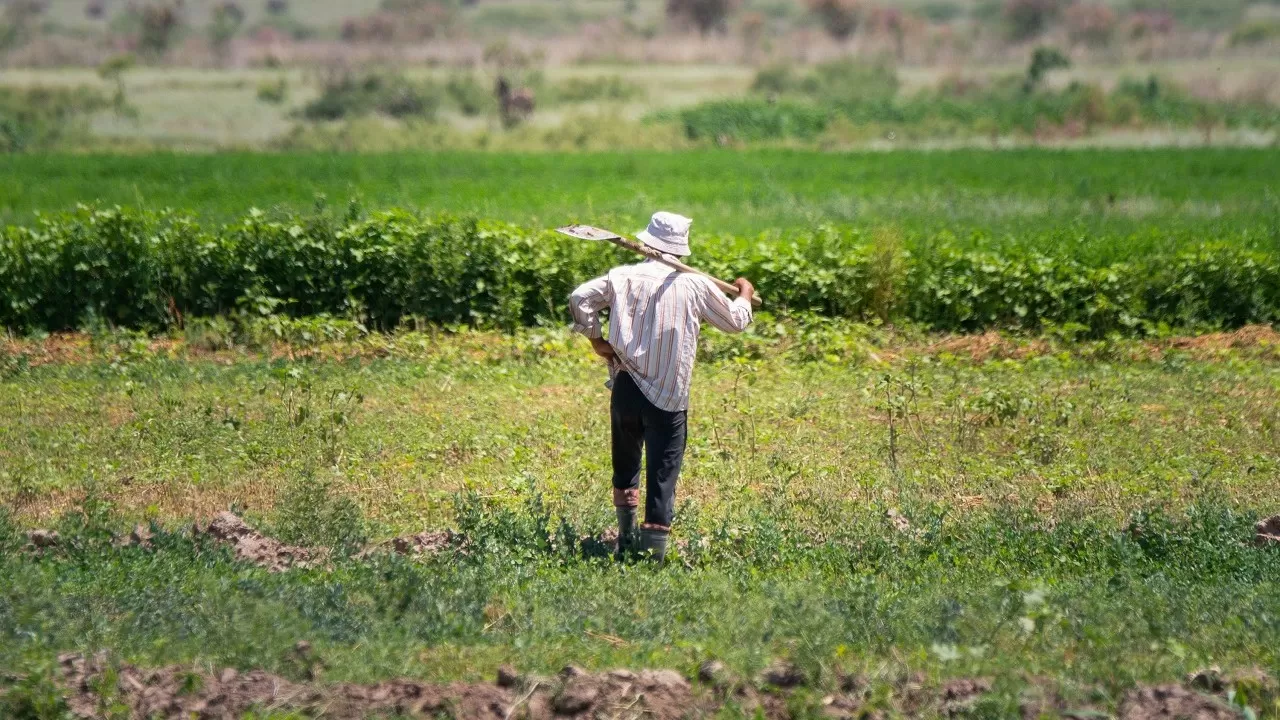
{"x":311,"y":513}
{"x":347,"y":95}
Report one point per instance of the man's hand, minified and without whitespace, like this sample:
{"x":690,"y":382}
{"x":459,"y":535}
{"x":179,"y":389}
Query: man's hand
{"x":602,"y":348}
{"x":746,"y":290}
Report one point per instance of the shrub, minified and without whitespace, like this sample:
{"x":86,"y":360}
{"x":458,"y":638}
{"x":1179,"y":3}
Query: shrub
{"x":1043,"y":60}
{"x":144,"y":270}
{"x":41,"y":118}
{"x":312,"y":514}
{"x":1256,"y":32}
{"x":157,"y":25}
{"x":1215,"y":284}
{"x":838,"y":17}
{"x":347,"y":95}
{"x":865,"y":96}
{"x":777,"y":78}
{"x":273,"y":91}
{"x":223,"y":26}
{"x":705,"y":15}
{"x":469,"y":94}
{"x":1029,"y":18}
{"x":850,"y":80}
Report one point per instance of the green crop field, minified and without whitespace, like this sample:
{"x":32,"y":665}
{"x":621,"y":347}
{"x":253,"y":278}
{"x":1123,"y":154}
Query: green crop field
{"x":998,"y":445}
{"x":1077,"y":194}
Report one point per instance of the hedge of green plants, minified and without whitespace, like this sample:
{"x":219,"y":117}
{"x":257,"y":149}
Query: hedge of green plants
{"x":150,"y":270}
{"x":801,"y":104}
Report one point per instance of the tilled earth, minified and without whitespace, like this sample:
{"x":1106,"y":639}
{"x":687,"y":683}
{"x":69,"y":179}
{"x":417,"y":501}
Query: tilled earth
{"x":184,"y":692}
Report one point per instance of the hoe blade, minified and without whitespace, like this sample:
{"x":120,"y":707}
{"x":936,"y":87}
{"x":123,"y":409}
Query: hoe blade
{"x":586,"y":232}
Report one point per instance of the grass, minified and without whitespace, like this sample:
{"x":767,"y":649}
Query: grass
{"x":187,"y":435}
{"x":1070,"y":195}
{"x":1080,"y":514}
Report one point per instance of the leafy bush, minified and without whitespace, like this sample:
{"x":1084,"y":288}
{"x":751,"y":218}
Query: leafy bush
{"x":867,"y":95}
{"x":1256,"y":32}
{"x":227,"y":18}
{"x":705,"y":15}
{"x":469,"y":94}
{"x":839,"y":18}
{"x":273,"y":91}
{"x":39,"y":118}
{"x":149,"y":270}
{"x":1043,"y":60}
{"x":1029,"y":18}
{"x":349,"y":95}
{"x":158,"y":23}
{"x":311,"y":514}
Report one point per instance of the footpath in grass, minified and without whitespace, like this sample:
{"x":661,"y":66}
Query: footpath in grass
{"x":1057,"y":523}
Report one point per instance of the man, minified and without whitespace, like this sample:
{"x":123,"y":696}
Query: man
{"x":654,"y":319}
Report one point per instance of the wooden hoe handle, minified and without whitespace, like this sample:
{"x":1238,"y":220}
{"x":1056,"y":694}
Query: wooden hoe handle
{"x":645,"y":250}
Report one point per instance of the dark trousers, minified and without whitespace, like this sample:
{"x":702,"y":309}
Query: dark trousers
{"x":636,"y":424}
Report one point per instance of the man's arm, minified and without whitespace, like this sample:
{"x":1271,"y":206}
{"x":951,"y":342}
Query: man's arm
{"x":585,"y":304}
{"x":728,"y":315}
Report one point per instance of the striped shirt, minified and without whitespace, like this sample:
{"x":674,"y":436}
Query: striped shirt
{"x":654,"y":317}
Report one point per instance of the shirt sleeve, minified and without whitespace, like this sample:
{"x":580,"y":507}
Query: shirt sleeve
{"x":586,"y":303}
{"x":728,"y":315}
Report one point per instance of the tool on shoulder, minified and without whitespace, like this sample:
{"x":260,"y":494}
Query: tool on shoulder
{"x":586,"y":232}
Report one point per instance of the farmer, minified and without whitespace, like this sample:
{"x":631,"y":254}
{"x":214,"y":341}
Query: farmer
{"x":654,"y":318}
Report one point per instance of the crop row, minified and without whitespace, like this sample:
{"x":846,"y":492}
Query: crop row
{"x":149,"y":270}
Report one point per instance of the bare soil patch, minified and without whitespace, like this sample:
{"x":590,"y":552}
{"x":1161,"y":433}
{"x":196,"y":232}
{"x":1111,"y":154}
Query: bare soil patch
{"x":1174,"y":701}
{"x":1267,"y":532}
{"x":190,"y":692}
{"x":252,"y":546}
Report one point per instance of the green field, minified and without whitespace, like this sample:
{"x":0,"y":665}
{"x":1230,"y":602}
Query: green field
{"x":1057,"y":508}
{"x":1079,"y":519}
{"x":1134,"y":242}
{"x":739,"y":192}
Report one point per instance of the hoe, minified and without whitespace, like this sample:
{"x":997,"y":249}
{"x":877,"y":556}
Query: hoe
{"x":586,"y":232}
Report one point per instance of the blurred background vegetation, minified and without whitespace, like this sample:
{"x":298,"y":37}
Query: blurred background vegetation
{"x":648,"y":74}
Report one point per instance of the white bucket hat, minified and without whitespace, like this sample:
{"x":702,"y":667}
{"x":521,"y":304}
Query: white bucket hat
{"x":668,"y":233}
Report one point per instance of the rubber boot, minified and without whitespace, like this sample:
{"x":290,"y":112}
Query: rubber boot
{"x":628,"y":538}
{"x":653,"y":543}
{"x":626,"y":501}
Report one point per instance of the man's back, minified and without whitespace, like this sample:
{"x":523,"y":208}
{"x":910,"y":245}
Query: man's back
{"x":654,"y":319}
